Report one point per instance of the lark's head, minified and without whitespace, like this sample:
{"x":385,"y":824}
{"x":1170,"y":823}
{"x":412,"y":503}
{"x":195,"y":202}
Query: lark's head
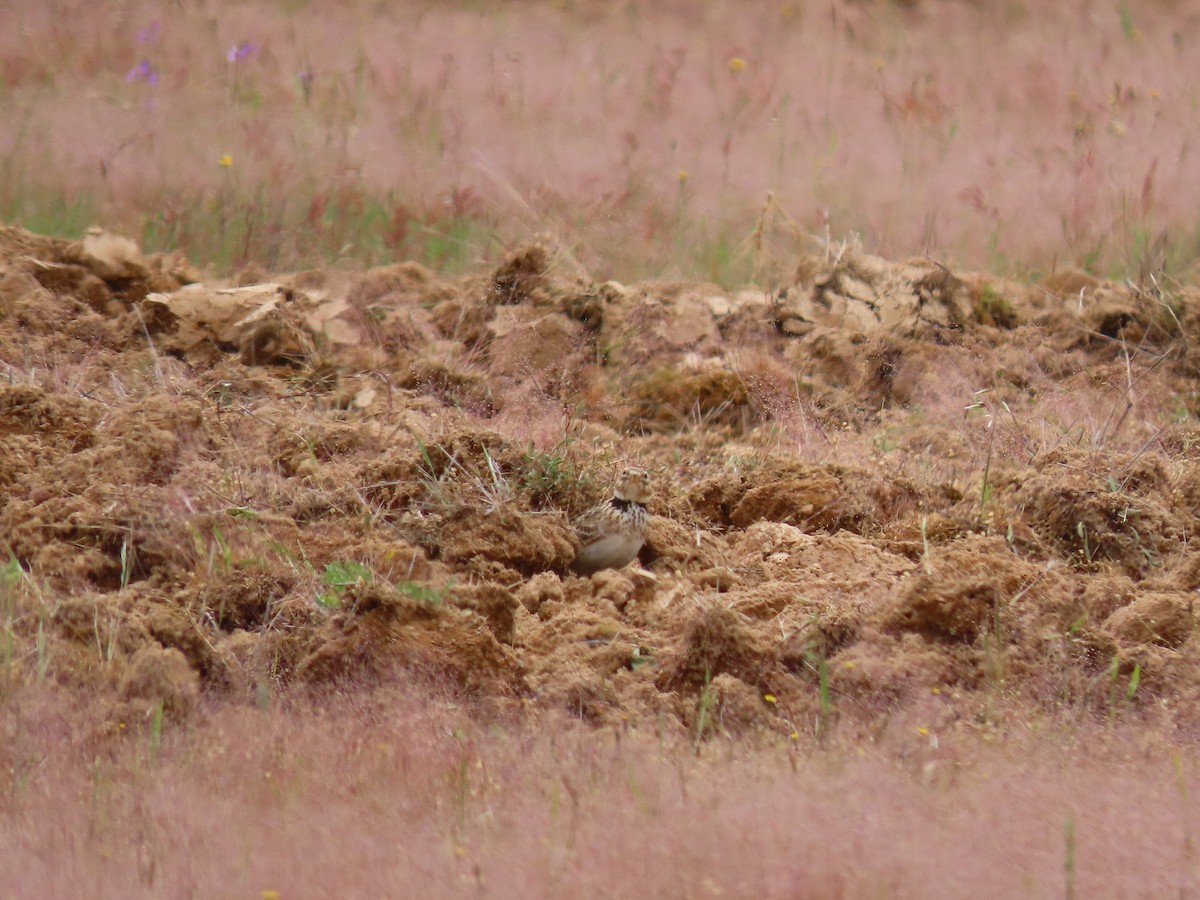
{"x":633,"y":485}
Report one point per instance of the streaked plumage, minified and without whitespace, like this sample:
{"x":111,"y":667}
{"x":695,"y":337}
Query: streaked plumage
{"x":612,"y":533}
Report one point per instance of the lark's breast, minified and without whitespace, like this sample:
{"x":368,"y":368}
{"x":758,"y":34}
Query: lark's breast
{"x":611,"y":552}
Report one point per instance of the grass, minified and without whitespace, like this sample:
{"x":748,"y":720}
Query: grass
{"x":400,"y":786}
{"x":1069,"y":858}
{"x":11,"y":576}
{"x":310,"y":227}
{"x":292,"y":136}
{"x":704,"y":706}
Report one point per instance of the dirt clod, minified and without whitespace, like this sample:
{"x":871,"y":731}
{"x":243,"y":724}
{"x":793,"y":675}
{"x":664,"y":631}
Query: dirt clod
{"x":158,"y":675}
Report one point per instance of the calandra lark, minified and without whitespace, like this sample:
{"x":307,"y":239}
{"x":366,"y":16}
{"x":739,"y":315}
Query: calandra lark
{"x":612,"y":533}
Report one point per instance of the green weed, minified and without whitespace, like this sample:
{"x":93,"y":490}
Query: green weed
{"x":825,"y":718}
{"x":549,"y":476}
{"x":1121,"y":692}
{"x":340,"y":575}
{"x":11,"y":576}
{"x":1088,"y":550}
{"x":154,"y":738}
{"x":704,"y":704}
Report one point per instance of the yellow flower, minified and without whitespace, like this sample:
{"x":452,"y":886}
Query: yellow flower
{"x":769,"y":698}
{"x":922,"y":731}
{"x":935,"y":690}
{"x":225,"y":161}
{"x":269,"y":894}
{"x":736,"y":64}
{"x":683,"y":175}
{"x":795,"y":735}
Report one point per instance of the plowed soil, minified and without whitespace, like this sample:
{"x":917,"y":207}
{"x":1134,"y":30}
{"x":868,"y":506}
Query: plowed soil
{"x":886,"y":490}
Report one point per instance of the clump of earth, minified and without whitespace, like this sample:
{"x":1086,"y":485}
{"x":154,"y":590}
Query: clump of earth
{"x":883,"y":489}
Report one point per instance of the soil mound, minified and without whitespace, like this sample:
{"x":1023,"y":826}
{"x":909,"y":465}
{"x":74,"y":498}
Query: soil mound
{"x":884,"y":483}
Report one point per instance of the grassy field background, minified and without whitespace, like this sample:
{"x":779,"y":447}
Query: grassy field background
{"x":644,"y":139}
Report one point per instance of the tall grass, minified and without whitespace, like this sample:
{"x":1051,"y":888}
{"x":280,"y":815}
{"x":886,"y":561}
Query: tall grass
{"x":642,"y":137}
{"x":378,"y":792}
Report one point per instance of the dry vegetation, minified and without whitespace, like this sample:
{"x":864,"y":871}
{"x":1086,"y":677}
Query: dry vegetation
{"x":285,"y":607}
{"x":642,"y":137}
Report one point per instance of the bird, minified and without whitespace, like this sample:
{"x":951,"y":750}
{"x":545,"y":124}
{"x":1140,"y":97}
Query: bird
{"x":611,"y":534}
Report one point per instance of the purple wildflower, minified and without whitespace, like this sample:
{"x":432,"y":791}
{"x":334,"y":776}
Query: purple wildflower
{"x":304,"y":78}
{"x":143,"y":71}
{"x":149,"y":34}
{"x":244,"y":50}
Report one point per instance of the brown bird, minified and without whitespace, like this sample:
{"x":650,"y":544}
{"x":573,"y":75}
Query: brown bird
{"x":612,"y":533}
